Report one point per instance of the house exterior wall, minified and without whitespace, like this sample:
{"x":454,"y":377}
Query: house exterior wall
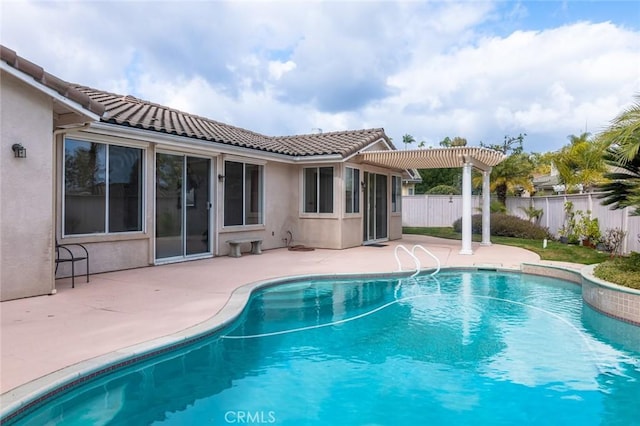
{"x":26,"y":200}
{"x":408,"y":189}
{"x":352,"y":232}
{"x":395,"y":226}
{"x":131,"y":250}
{"x":320,"y":233}
{"x":108,"y":252}
{"x":280,"y":215}
{"x":32,"y":202}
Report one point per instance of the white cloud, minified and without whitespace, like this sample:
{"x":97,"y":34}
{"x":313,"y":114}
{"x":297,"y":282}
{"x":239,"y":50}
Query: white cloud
{"x":428,"y":69}
{"x":277,"y":68}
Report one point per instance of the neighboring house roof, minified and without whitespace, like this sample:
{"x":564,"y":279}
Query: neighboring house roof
{"x":411,"y":176}
{"x":545,"y":181}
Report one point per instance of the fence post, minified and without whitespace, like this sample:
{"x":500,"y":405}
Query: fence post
{"x":625,"y":229}
{"x":546,"y":211}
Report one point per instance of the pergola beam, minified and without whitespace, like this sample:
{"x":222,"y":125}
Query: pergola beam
{"x":442,"y":158}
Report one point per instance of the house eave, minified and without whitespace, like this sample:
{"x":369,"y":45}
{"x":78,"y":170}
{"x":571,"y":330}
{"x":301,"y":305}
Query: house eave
{"x":85,"y":115}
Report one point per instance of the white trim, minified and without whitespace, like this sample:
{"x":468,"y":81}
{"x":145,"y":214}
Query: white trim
{"x":334,"y":206}
{"x":398,"y":192}
{"x":105,"y":139}
{"x":248,"y":160}
{"x":143,"y":194}
{"x":212,"y":212}
{"x":364,"y":149}
{"x":356,"y":189}
{"x":244,"y":226}
{"x":57,"y":97}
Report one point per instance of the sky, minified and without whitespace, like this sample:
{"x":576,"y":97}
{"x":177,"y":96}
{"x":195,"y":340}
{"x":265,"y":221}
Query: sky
{"x":481,"y":70}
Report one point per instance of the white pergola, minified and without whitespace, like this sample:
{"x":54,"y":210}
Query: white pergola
{"x":443,"y":158}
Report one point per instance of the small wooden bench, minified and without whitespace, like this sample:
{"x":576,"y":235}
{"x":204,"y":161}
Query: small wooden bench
{"x":256,"y":246}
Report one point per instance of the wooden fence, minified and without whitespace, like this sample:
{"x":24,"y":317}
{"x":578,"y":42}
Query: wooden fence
{"x":443,"y":210}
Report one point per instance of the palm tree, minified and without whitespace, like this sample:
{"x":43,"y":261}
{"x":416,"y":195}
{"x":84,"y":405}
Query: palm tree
{"x":581,"y":162}
{"x":623,"y":155}
{"x":456,"y":141}
{"x":511,"y":176}
{"x":624,"y":131}
{"x":514,"y":173}
{"x":623,"y":190}
{"x":407,"y":140}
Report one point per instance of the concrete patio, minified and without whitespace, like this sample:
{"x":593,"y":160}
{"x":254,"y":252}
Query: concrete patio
{"x":43,"y":334}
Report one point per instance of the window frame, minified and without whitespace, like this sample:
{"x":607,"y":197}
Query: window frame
{"x":261,"y":194}
{"x":352,"y":203}
{"x":142,"y":191}
{"x":396,"y":194}
{"x":319,"y":191}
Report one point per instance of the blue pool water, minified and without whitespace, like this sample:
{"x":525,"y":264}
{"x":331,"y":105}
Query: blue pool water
{"x":465,"y":348}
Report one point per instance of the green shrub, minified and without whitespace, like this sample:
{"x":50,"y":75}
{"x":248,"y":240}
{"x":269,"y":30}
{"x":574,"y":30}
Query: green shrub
{"x":443,"y":190}
{"x":494,"y":207}
{"x":506,"y":226}
{"x":622,"y":270}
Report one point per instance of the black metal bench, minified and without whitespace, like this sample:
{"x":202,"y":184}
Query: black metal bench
{"x":72,"y":253}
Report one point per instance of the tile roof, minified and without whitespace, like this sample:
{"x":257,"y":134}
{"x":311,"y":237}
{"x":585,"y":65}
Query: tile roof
{"x":134,"y":112}
{"x":49,"y":80}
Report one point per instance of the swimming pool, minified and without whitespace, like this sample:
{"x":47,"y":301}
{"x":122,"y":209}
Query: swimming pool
{"x":461,"y":348}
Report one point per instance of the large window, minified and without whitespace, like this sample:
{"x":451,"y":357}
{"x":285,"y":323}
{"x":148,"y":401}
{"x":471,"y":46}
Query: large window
{"x":318,"y":190}
{"x":242,"y":194}
{"x":396,"y":194}
{"x":352,"y":190}
{"x":102,"y":188}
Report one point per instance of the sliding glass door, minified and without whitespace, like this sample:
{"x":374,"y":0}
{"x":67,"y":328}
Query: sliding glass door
{"x":375,"y":212}
{"x":183,"y":206}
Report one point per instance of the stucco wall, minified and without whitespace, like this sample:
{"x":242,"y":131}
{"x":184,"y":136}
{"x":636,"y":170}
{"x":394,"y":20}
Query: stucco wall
{"x":395,"y":226}
{"x":281,"y":187}
{"x":320,"y":233}
{"x":352,"y":232}
{"x":280,"y":199}
{"x":26,"y":199}
{"x":109,"y":256}
{"x":107,"y":252}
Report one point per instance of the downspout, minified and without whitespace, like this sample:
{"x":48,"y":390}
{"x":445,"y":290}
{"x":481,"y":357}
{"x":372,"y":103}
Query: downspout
{"x":54,"y":188}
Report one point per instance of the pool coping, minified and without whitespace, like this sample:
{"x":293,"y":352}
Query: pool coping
{"x":24,"y":397}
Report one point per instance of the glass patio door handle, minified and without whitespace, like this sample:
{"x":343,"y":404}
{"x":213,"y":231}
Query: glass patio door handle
{"x":209,"y":205}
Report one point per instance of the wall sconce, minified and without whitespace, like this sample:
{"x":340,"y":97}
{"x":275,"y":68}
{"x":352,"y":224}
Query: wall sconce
{"x":19,"y":151}
{"x":221,"y":178}
{"x":363,"y":184}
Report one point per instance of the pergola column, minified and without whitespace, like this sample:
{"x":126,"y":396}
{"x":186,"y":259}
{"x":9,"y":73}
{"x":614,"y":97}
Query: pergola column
{"x":466,"y":208}
{"x":486,"y":208}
